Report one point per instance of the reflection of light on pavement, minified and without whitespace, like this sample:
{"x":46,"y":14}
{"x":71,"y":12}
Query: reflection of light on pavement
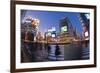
{"x":53,"y":48}
{"x":85,"y":52}
{"x":52,"y":54}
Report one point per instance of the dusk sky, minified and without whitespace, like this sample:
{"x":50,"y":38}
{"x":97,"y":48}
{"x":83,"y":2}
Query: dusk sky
{"x":49,"y":19}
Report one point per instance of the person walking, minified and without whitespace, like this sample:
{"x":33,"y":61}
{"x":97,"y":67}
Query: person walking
{"x":57,"y":52}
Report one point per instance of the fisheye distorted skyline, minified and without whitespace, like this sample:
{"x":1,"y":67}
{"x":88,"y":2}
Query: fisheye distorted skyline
{"x":50,"y":19}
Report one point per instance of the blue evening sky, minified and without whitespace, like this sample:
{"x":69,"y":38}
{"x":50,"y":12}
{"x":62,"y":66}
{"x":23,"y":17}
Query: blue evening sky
{"x":49,"y":19}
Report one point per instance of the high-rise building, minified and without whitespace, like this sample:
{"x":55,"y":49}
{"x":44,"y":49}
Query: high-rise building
{"x":66,"y":26}
{"x":68,"y":34}
{"x":23,"y":13}
{"x":85,"y":21}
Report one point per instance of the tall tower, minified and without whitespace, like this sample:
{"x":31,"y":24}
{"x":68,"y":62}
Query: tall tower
{"x":85,"y":21}
{"x":66,"y":26}
{"x":23,"y":13}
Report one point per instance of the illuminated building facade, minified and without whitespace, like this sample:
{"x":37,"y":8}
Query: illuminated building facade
{"x":67,"y":34}
{"x":85,"y":21}
{"x":66,"y":26}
